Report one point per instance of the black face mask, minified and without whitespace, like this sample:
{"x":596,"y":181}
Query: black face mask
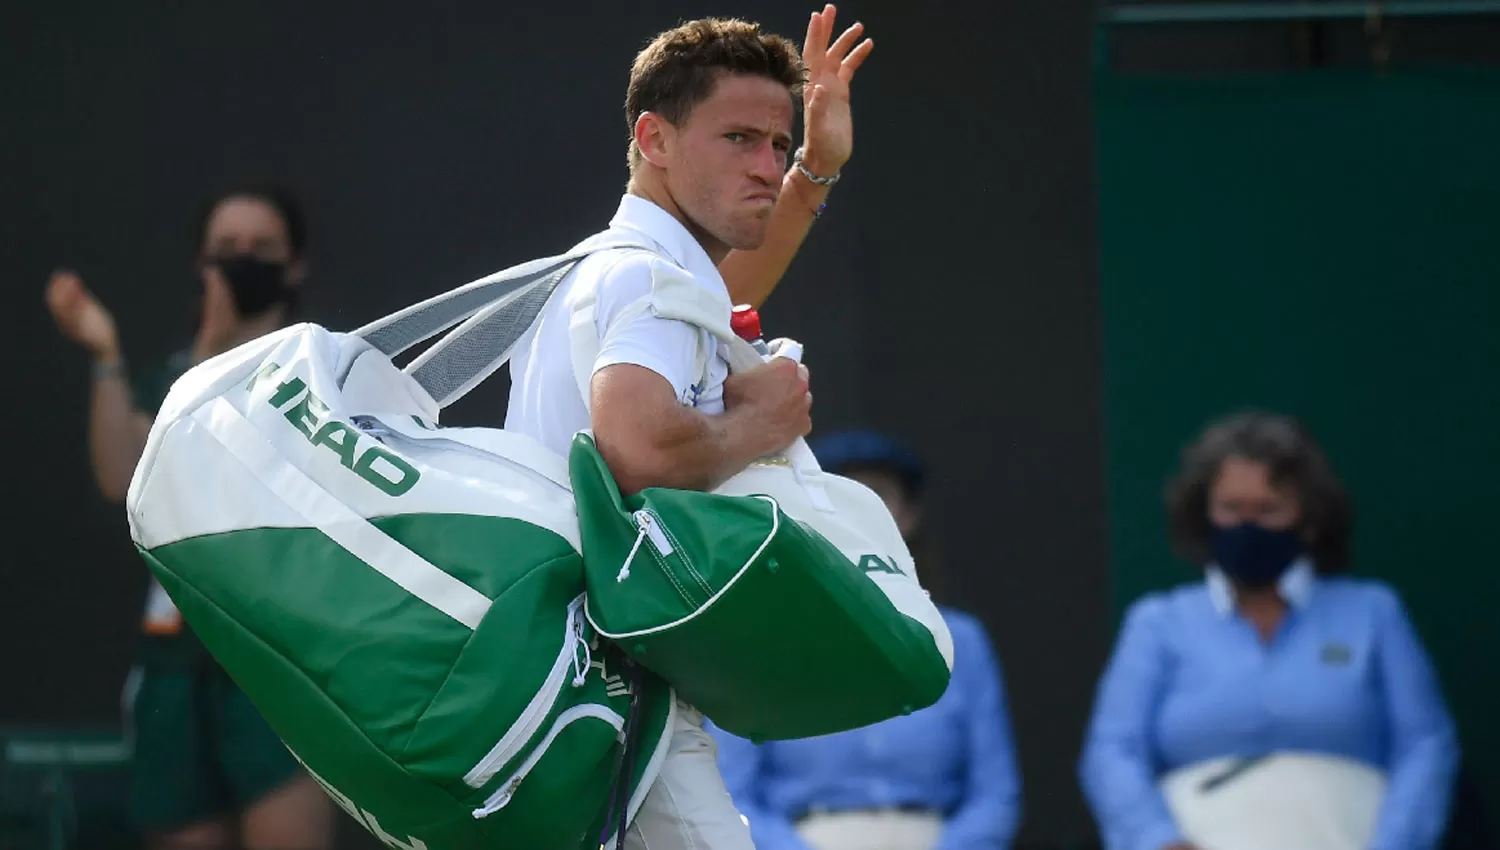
{"x":1255,"y":556}
{"x":257,"y":285}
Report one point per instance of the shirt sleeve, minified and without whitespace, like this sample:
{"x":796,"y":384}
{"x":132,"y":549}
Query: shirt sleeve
{"x":741,"y":764}
{"x":1424,"y":745}
{"x":628,"y":335}
{"x":990,"y":810}
{"x":1117,"y":771}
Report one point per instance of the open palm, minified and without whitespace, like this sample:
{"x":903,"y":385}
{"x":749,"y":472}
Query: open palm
{"x":79,"y":315}
{"x":828,"y":121}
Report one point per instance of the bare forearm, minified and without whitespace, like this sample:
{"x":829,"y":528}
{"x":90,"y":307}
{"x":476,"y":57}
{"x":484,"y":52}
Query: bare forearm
{"x":751,"y":276}
{"x":690,"y":451}
{"x":117,"y":435}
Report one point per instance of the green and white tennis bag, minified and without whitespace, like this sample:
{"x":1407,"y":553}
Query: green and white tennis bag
{"x":784,"y":604}
{"x":402,"y":602}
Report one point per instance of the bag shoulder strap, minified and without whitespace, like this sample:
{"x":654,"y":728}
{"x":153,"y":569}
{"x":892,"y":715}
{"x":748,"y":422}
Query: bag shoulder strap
{"x":499,"y":308}
{"x":404,"y":328}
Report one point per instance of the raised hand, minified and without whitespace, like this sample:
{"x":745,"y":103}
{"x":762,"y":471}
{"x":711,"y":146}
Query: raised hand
{"x":80,"y":316}
{"x":828,"y":125}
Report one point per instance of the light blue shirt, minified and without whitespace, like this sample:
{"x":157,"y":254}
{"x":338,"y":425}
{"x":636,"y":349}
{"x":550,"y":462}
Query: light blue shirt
{"x":1344,"y":674}
{"x":954,"y":758}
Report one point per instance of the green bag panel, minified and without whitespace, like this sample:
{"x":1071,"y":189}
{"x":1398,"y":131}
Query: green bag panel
{"x":754,"y":618}
{"x":554,"y":778}
{"x":567,"y":786}
{"x":320,"y":732}
{"x":488,"y":553}
{"x":260,"y":576}
{"x":517,"y":641}
{"x":520,"y":639}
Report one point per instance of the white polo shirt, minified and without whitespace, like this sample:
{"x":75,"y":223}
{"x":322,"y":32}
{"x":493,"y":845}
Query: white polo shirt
{"x":545,"y":402}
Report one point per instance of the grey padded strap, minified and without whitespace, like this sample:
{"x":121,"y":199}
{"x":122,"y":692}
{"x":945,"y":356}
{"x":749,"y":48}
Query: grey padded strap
{"x":403,"y":329}
{"x":462,"y":360}
{"x":472,"y":352}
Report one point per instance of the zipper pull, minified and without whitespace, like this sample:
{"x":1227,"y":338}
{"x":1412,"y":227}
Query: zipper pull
{"x":499,"y":801}
{"x":583,"y":658}
{"x":634,"y":548}
{"x":650,"y":529}
{"x":653,"y":529}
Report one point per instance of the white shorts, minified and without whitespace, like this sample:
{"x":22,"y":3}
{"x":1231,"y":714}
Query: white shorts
{"x":688,"y":807}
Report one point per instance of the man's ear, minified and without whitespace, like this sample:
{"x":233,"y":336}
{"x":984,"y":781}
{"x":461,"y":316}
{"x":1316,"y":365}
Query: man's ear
{"x":653,"y":137}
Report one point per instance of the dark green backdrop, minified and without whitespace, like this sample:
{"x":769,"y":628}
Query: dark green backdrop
{"x":1324,"y":244}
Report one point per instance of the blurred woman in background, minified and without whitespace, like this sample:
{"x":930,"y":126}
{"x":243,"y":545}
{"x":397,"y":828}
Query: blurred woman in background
{"x":208,"y":772}
{"x":1275,"y":704}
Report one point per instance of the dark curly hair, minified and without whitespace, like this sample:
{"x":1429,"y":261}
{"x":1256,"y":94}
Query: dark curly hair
{"x":1293,"y":458}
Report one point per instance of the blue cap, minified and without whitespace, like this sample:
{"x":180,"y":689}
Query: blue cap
{"x":840,"y":450}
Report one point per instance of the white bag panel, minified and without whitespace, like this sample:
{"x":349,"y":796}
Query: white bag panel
{"x":372,"y":382}
{"x":181,"y":496}
{"x":460,"y":471}
{"x":216,"y":375}
{"x":859,"y":525}
{"x":458,"y":482}
{"x":503,"y":305}
{"x":203,"y":382}
{"x":1313,"y":800}
{"x":518,"y":449}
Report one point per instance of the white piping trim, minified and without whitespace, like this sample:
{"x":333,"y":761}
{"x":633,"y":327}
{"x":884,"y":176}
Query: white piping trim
{"x":775,"y":527}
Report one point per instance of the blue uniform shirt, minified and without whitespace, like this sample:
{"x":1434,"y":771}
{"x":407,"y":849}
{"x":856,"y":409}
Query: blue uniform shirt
{"x":954,"y":758}
{"x":1345,"y":674}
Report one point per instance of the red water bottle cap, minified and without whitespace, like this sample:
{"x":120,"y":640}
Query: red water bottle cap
{"x":745,"y":322}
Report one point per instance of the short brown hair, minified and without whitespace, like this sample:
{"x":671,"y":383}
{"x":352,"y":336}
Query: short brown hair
{"x":678,"y":69}
{"x":1292,"y":457}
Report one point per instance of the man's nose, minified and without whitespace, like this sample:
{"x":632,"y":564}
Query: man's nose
{"x":768,"y":163}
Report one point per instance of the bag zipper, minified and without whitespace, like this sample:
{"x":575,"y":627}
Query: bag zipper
{"x":650,"y":528}
{"x":502,"y":796}
{"x":699,"y":607}
{"x":653,"y":528}
{"x":526,"y":726}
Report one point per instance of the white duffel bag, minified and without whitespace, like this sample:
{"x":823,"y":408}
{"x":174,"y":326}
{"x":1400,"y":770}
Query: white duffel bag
{"x":402,"y":602}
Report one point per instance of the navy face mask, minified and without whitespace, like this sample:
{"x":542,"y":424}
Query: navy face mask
{"x":1255,"y":556}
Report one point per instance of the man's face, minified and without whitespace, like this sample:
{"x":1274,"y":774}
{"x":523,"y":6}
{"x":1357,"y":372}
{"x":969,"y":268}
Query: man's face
{"x":727,"y":159}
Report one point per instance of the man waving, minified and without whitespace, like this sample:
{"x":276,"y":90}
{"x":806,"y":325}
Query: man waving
{"x":718,"y":195}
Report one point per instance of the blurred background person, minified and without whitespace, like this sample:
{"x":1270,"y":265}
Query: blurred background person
{"x":1276,"y":703}
{"x":943,"y":778}
{"x":208,"y":772}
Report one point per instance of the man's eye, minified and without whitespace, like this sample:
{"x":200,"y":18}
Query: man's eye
{"x":735,"y":137}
